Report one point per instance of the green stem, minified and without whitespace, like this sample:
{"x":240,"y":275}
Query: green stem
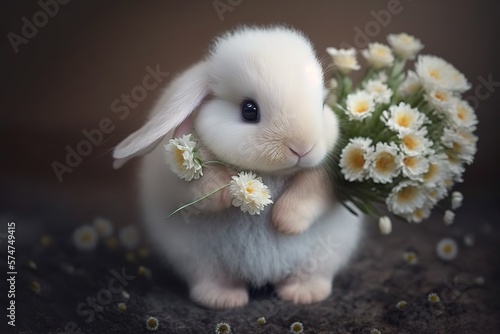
{"x":196,"y":201}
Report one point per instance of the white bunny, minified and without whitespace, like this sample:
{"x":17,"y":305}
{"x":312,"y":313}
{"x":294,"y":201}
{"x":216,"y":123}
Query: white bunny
{"x":256,"y":103}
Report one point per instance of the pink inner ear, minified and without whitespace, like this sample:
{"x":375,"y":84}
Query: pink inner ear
{"x":184,"y":128}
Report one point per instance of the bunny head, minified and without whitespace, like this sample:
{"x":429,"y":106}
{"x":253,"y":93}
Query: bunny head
{"x":256,"y":102}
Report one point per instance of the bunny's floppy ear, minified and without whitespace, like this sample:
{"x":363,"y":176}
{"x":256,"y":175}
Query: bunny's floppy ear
{"x":184,"y":94}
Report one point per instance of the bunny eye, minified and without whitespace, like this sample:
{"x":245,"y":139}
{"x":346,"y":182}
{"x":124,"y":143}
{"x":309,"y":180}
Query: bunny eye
{"x":250,"y":111}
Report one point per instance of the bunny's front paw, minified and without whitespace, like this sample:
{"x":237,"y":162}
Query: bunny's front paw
{"x":215,"y":178}
{"x":290,"y":216}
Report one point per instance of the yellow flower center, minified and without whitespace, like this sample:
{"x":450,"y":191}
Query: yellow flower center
{"x":435,"y":74}
{"x":297,"y":328}
{"x":462,"y":113}
{"x":407,"y":194}
{"x":361,"y":107}
{"x":249,"y":189}
{"x":410,"y":142}
{"x":431,"y":173}
{"x":385,"y":162}
{"x":418,"y":214}
{"x":405,"y":39}
{"x":410,"y":161}
{"x":447,"y":249}
{"x":151,"y":323}
{"x":355,"y":159}
{"x":179,"y":159}
{"x":378,"y":51}
{"x":404,"y":120}
{"x":440,"y":96}
{"x":86,"y":237}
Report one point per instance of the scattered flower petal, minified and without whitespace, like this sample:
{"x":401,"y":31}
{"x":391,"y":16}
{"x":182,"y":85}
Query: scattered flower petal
{"x":449,"y":217}
{"x":385,"y":225}
{"x":181,"y":156}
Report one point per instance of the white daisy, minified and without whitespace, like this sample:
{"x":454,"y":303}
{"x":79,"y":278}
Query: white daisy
{"x":344,"y":59}
{"x":401,"y":304}
{"x":419,"y":214}
{"x":380,"y":91}
{"x":103,"y":226}
{"x":354,"y":159}
{"x":261,"y":321}
{"x":415,"y":142}
{"x":447,"y":249}
{"x":433,"y":298}
{"x":436,"y":192}
{"x":449,"y":217}
{"x":152,"y":323}
{"x":410,"y":257}
{"x":405,"y":46}
{"x":129,"y":237}
{"x":359,"y":105}
{"x":249,"y":193}
{"x":411,"y":85}
{"x":297,"y":328}
{"x":85,"y":237}
{"x":381,"y":76}
{"x":181,"y":156}
{"x":378,"y":55}
{"x":385,"y":225}
{"x":459,"y":146}
{"x":436,"y":73}
{"x":440,"y":99}
{"x":414,"y":167}
{"x":462,"y":115}
{"x":403,"y":118}
{"x":456,"y":200}
{"x":385,"y":163}
{"x":223,"y":328}
{"x":406,"y":197}
{"x":437,"y":171}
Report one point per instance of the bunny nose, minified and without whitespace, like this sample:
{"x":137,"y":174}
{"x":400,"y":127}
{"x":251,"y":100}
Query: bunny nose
{"x":300,"y":152}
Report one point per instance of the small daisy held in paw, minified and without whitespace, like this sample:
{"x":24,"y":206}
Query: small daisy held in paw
{"x":182,"y":158}
{"x":223,"y":328}
{"x":250,"y":194}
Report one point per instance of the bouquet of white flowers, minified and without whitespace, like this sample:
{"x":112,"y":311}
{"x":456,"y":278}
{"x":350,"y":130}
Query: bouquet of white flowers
{"x":405,"y":135}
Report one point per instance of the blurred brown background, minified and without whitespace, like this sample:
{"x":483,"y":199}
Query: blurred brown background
{"x":64,"y":79}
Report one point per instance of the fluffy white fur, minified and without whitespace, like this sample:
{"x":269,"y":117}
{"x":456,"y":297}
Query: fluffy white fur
{"x":306,"y":237}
